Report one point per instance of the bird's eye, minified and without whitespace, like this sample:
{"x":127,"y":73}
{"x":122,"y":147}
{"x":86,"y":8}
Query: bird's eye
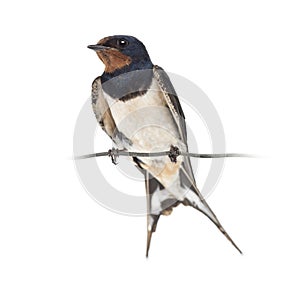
{"x":122,"y":42}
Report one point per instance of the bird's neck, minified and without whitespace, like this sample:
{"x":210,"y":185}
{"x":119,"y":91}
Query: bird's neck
{"x":142,"y":64}
{"x":128,"y":82}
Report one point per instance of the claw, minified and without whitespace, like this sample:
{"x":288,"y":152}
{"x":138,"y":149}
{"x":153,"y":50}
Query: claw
{"x":114,"y":154}
{"x":174,"y":153}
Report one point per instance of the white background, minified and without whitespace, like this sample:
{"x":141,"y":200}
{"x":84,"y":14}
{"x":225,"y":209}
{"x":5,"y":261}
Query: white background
{"x":243,"y":54}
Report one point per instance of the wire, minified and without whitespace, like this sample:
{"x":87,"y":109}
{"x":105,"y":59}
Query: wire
{"x":173,"y":153}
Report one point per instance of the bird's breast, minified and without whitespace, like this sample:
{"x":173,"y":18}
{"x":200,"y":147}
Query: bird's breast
{"x":148,"y":123}
{"x":146,"y":120}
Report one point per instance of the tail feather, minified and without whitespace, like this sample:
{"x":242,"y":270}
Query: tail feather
{"x":151,"y":227}
{"x":195,"y":199}
{"x":160,"y":201}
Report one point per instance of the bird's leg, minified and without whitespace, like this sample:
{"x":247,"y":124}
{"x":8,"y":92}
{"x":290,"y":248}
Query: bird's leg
{"x":174,"y":153}
{"x":114,"y":154}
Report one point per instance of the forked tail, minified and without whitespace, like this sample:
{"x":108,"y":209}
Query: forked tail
{"x":195,"y":199}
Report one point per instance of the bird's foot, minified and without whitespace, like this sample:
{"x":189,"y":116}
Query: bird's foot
{"x":114,"y":154}
{"x":174,"y":153}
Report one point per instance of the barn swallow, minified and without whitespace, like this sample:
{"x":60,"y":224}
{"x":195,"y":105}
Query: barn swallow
{"x":136,"y":105}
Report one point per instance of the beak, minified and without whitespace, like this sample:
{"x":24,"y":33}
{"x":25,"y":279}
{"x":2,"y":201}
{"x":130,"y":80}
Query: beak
{"x":97,"y":47}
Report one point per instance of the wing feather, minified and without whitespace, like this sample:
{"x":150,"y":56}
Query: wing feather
{"x":176,"y":110}
{"x":193,"y":198}
{"x":102,"y":111}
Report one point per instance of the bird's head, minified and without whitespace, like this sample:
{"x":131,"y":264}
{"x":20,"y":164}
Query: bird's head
{"x":121,"y":52}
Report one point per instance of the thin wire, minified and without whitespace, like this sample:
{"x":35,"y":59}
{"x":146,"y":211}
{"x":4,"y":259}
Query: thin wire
{"x":116,"y":153}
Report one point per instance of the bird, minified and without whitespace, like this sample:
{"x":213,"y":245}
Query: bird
{"x":136,"y":105}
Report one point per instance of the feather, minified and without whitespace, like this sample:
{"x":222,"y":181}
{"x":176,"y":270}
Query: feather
{"x":193,"y":197}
